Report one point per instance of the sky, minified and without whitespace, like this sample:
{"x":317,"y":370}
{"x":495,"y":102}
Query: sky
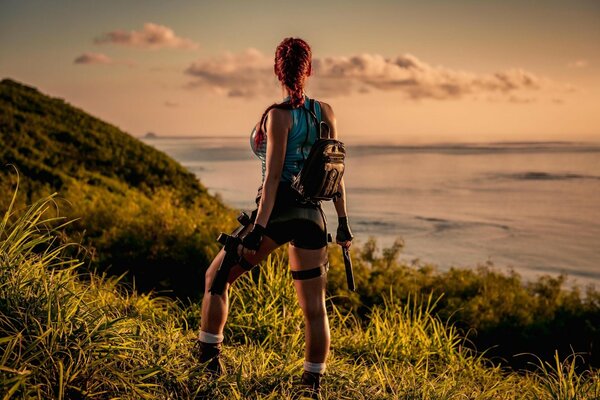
{"x":393,"y":71}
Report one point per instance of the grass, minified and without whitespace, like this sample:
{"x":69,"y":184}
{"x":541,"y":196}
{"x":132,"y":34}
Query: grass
{"x":66,"y":336}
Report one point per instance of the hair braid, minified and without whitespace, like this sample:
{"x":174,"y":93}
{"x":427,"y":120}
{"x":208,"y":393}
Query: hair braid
{"x":292,"y":67}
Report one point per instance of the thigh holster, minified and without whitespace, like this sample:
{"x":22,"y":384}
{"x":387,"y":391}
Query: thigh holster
{"x":245,"y":264}
{"x":231,"y":243}
{"x":311,"y":273}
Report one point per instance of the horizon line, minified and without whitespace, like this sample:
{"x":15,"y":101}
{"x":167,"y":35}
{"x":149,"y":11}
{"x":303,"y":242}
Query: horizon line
{"x":387,"y":142}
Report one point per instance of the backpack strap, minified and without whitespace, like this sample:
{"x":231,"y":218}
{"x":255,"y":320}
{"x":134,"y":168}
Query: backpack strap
{"x":313,"y":110}
{"x":323,"y":127}
{"x":306,"y":112}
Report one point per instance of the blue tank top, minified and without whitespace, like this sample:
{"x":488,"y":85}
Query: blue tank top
{"x":298,"y":144}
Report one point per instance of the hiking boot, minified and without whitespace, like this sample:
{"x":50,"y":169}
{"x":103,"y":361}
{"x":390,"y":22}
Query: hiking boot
{"x":208,"y":354}
{"x":310,"y":384}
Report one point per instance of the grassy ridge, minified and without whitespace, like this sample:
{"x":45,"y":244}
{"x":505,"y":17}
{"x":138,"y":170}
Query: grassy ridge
{"x":53,"y":143}
{"x":64,"y":338}
{"x":137,"y":211}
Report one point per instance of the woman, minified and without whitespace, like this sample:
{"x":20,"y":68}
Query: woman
{"x":282,"y":143}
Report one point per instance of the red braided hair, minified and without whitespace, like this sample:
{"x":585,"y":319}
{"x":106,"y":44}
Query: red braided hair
{"x":292,"y":67}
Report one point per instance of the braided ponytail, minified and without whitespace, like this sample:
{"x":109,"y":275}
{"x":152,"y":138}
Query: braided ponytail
{"x":292,"y":67}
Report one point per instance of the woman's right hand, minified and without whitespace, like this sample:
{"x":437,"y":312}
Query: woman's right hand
{"x":344,"y":234}
{"x":251,"y":242}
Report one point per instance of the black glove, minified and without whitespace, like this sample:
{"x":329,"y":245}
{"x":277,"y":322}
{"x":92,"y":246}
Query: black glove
{"x":252,"y":240}
{"x":343,"y":231}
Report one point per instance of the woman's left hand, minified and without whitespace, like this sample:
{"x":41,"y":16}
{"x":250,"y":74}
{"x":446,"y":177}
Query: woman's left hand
{"x":344,"y":234}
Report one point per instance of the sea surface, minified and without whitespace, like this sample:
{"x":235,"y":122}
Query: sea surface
{"x":533,"y":207}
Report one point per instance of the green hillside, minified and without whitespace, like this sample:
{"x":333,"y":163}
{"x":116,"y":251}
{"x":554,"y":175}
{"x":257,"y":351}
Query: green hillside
{"x":138,"y":211}
{"x":51,"y":141}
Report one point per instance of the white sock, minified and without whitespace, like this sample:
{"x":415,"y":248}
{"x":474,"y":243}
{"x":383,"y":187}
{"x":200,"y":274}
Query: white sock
{"x":208,"y":337}
{"x":317,"y":368}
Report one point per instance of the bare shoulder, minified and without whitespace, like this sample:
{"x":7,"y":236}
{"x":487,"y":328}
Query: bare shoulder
{"x":278,"y":120}
{"x":278,"y":115}
{"x":328,"y":116}
{"x":327,"y":111}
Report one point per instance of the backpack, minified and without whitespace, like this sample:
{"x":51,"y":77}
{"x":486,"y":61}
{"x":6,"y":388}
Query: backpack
{"x":323,"y":169}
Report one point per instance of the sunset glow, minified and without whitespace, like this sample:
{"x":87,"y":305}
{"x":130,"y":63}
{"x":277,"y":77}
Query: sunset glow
{"x":432,"y":72}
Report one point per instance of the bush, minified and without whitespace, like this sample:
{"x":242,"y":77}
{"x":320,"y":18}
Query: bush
{"x":504,"y":315}
{"x":158,"y":242}
{"x":66,"y":338}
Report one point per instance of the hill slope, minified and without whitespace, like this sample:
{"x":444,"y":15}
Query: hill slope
{"x":137,"y":211}
{"x":49,"y":141}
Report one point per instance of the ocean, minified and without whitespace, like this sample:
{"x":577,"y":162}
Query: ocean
{"x":532,"y":207}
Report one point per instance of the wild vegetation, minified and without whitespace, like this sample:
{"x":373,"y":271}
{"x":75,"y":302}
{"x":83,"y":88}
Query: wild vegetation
{"x":53,"y":143}
{"x":137,"y":211}
{"x":67,"y":336}
{"x":504,"y":316}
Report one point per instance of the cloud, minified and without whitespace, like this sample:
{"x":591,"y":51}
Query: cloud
{"x":152,"y":36}
{"x":100,"y":58}
{"x":236,"y":75}
{"x":93,"y":58}
{"x":413,"y":77}
{"x":250,"y":73}
{"x":581,"y":63}
{"x":171,"y":104}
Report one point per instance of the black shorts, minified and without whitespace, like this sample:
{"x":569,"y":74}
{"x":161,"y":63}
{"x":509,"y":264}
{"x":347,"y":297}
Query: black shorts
{"x":302,"y":224}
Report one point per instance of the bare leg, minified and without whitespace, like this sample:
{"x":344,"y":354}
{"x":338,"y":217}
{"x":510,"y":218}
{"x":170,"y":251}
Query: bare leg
{"x":311,"y":296}
{"x":215,"y":307}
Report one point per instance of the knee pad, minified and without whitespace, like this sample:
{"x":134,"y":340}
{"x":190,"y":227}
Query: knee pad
{"x":311,"y":273}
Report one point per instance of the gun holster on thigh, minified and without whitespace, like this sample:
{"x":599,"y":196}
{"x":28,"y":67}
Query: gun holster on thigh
{"x":231,"y":243}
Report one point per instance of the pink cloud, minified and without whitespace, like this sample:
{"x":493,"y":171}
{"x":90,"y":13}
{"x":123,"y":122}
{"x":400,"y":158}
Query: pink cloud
{"x":250,"y":73}
{"x":152,"y":36}
{"x":100,"y":58}
{"x":93,"y":58}
{"x":237,"y":75}
{"x":415,"y":78}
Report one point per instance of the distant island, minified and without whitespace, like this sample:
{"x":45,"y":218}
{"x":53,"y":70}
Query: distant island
{"x":151,"y":135}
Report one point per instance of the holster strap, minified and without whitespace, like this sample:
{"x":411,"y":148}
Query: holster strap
{"x":245,"y":264}
{"x":311,"y":273}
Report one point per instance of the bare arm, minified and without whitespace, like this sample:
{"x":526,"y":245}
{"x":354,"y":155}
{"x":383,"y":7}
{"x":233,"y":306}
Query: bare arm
{"x":278,"y":125}
{"x":344,"y":235}
{"x":329,"y":117}
{"x":340,"y":202}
